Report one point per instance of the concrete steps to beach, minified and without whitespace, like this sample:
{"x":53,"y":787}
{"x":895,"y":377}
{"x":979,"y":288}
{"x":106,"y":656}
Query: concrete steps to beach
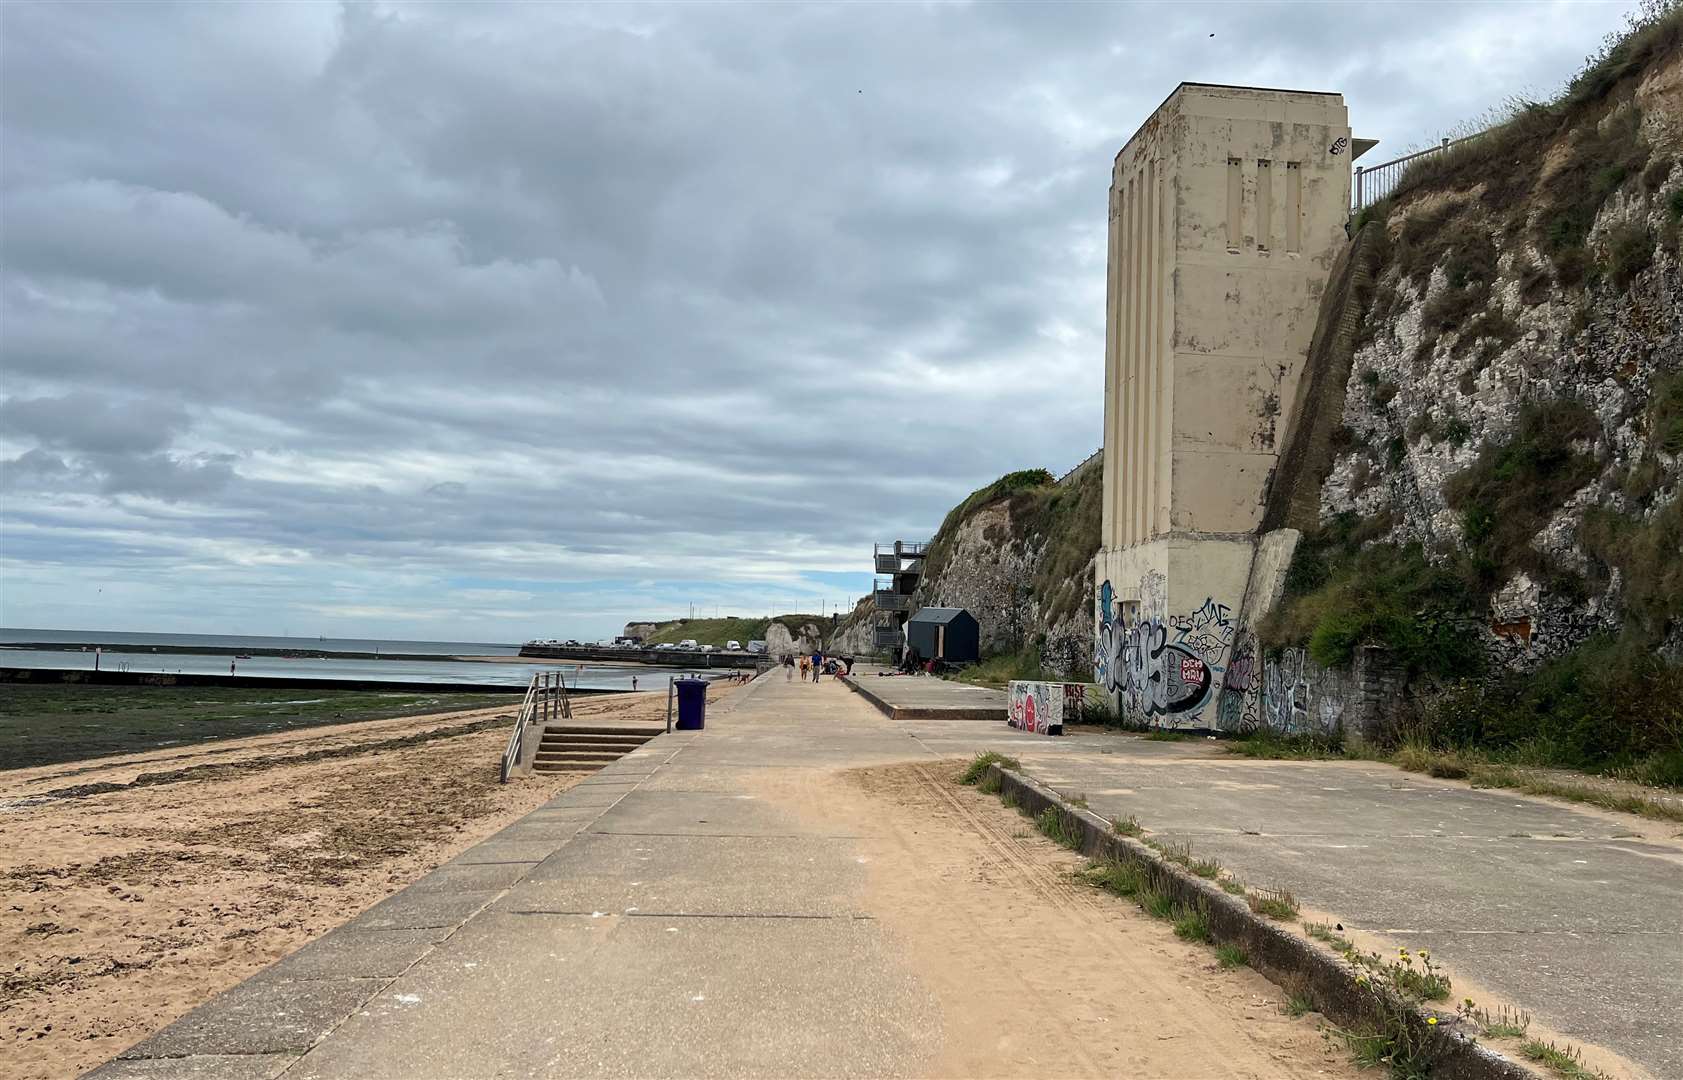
{"x":577,"y":748}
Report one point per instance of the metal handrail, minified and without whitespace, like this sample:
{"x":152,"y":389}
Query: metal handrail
{"x":546,"y":699}
{"x":1374,"y":182}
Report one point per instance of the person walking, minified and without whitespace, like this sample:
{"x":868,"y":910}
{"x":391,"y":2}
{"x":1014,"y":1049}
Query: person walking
{"x":805,"y":665}
{"x":817,"y":664}
{"x":788,"y":669}
{"x":633,"y":682}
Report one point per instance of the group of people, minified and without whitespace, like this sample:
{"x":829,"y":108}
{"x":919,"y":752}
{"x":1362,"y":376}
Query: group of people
{"x":814,"y":666}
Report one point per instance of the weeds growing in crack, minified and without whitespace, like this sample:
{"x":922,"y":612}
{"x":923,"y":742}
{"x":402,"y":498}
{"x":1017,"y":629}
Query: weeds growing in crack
{"x":1118,"y":878}
{"x":1506,"y":1023}
{"x":1320,"y":931}
{"x":1191,"y":924}
{"x":1566,"y":1062}
{"x":1060,"y":826}
{"x":978,"y":768}
{"x":1274,"y":903}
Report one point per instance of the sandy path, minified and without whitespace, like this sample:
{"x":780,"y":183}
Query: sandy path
{"x":1035,"y":974}
{"x":121,"y":910}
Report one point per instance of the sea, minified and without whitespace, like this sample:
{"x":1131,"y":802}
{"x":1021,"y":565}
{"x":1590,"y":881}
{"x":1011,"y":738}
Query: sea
{"x":133,"y":652}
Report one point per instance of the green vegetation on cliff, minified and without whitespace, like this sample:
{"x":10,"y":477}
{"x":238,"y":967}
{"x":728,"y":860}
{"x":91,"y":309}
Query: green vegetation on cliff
{"x":719,"y":631}
{"x":1062,"y":520}
{"x":1341,"y":594}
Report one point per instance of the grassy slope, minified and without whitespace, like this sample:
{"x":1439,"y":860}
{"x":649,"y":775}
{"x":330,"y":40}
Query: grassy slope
{"x":45,"y":725}
{"x":1065,"y":521}
{"x":719,"y":631}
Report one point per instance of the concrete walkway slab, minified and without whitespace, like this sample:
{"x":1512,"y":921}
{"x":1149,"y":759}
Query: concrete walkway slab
{"x":923,"y":697}
{"x":197,"y":1067}
{"x":359,"y":954}
{"x":617,"y":996}
{"x":695,"y":813}
{"x":263,"y":1015}
{"x":694,"y":875}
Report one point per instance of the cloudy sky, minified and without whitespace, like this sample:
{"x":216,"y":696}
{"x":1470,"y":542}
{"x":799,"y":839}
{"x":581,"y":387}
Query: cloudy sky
{"x":485,"y":322}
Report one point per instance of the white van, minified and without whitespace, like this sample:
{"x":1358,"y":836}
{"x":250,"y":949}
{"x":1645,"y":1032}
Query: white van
{"x":733,"y":646}
{"x":688,"y":643}
{"x":756,"y":646}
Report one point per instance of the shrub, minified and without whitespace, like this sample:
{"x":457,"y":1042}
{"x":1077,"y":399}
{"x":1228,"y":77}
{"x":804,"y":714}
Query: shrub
{"x":1631,"y":251}
{"x":1665,"y":412}
{"x":1600,"y":159}
{"x":1612,"y":705}
{"x":1340,"y":595}
{"x":1508,"y":495}
{"x":1646,"y":553}
{"x":978,"y":766}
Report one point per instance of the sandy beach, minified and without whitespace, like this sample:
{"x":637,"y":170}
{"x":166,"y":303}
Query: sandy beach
{"x":149,"y":882}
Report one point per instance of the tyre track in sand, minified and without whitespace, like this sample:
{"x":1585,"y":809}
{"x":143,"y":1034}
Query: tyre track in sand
{"x":1035,"y":973}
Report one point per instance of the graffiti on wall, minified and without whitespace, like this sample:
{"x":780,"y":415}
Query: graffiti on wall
{"x":1298,"y":695}
{"x":1162,"y":668}
{"x":1236,"y":709}
{"x":1042,"y":708}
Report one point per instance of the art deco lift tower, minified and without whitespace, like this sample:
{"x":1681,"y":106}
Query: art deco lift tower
{"x":1227,"y":210}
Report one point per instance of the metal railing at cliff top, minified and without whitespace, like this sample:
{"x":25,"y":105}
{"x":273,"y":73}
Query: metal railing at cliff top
{"x":1373,"y":182}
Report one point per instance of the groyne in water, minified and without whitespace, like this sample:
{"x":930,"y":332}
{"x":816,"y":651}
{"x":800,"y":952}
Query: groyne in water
{"x":689,"y":658}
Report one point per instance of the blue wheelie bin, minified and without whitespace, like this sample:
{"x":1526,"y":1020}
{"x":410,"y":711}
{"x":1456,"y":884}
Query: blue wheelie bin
{"x":692,"y":704}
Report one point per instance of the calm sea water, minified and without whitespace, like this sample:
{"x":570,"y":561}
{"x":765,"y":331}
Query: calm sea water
{"x":240,"y":642}
{"x":139,"y":658}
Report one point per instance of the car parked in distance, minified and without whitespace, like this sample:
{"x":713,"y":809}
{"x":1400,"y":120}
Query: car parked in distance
{"x":756,"y":646}
{"x":733,"y":646}
{"x":666,"y":645}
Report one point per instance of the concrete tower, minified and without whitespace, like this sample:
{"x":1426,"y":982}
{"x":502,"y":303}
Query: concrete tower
{"x":1227,"y":209}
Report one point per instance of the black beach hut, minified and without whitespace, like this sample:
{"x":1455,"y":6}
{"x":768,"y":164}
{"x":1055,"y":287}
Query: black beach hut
{"x":945,"y":633}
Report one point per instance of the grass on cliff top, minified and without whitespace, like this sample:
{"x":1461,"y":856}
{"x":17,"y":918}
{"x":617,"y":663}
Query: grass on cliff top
{"x":719,"y":631}
{"x":1065,"y":520}
{"x":1504,"y":160}
{"x":1591,"y":135}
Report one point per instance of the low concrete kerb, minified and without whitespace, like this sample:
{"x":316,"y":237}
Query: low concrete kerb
{"x":882,"y":706}
{"x":1277,"y":953}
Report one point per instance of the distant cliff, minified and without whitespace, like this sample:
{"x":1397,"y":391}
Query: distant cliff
{"x":782,"y":634}
{"x":1018,"y":554}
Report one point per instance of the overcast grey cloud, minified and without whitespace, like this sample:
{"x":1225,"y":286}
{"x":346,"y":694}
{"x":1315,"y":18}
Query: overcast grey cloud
{"x":486,"y":321}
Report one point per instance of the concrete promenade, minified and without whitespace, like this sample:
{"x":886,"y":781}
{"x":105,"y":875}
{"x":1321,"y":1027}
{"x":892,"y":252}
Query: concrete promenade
{"x":1572,"y":913}
{"x":745,"y":902}
{"x":919,"y":697}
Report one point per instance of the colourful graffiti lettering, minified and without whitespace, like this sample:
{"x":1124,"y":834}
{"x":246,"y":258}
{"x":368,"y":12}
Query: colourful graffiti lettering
{"x":1158,"y":667}
{"x":1042,"y":707}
